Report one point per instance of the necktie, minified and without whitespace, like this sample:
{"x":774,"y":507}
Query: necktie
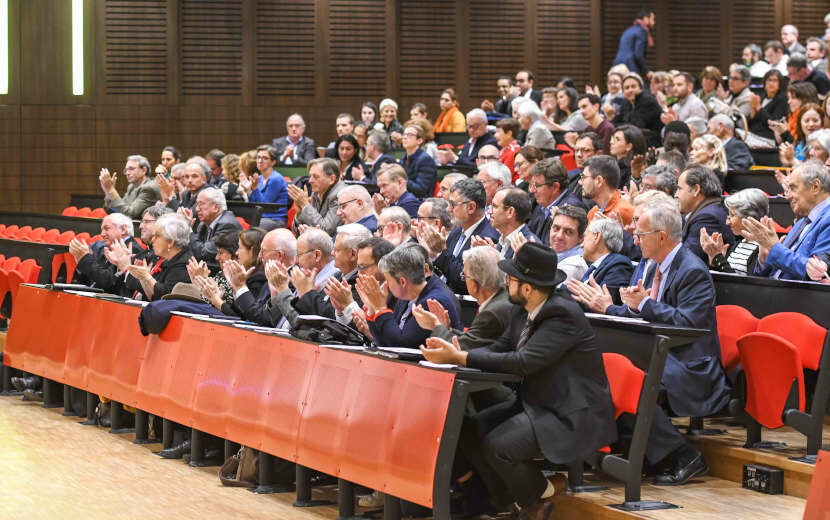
{"x":588,"y":273}
{"x":459,"y":244}
{"x":525,"y":335}
{"x":655,"y":284}
{"x":406,"y":314}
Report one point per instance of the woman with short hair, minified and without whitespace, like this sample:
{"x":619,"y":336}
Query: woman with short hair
{"x":742,"y":256}
{"x":171,"y":243}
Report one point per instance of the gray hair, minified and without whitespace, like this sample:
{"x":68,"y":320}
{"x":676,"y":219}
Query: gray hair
{"x":697,"y":123}
{"x":319,"y":239}
{"x":405,"y":261}
{"x":664,"y":178}
{"x":398,"y":215}
{"x":353,"y":234}
{"x":749,"y":202}
{"x":295,"y":114}
{"x":202,"y":163}
{"x":454,"y":177}
{"x":175,"y":228}
{"x":611,"y":232}
{"x":358,"y":192}
{"x":655,"y":197}
{"x":498,"y":171}
{"x":482,"y":263}
{"x":724,"y":120}
{"x":743,"y":71}
{"x":284,"y":240}
{"x":215,"y":196}
{"x":329,"y":165}
{"x":666,"y":218}
{"x":121,"y":220}
{"x":477,"y":113}
{"x":517,"y":102}
{"x":380,"y":139}
{"x":176,"y":167}
{"x":820,"y":138}
{"x":754,"y":49}
{"x":530,"y":110}
{"x":142,"y":162}
{"x":813,"y":170}
{"x":440,"y":209}
{"x":157,"y":211}
{"x":699,"y":175}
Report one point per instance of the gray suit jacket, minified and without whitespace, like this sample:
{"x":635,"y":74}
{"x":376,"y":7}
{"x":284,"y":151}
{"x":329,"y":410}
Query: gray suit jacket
{"x":305,"y":152}
{"x":136,"y":200}
{"x":540,"y":137}
{"x":487,"y":326}
{"x":321,"y":213}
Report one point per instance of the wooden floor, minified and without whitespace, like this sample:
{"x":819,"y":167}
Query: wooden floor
{"x":54,"y":468}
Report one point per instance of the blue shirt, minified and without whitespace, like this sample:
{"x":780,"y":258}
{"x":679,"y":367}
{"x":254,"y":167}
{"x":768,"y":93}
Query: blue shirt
{"x":274,"y":191}
{"x":576,"y":250}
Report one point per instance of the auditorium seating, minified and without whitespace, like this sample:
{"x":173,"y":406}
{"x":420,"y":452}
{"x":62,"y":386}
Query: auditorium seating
{"x":733,"y":322}
{"x":13,"y":272}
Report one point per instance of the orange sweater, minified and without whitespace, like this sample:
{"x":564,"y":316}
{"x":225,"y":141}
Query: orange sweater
{"x":615,"y":204}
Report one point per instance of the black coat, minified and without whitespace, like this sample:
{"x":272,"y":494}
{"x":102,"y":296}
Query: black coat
{"x":644,"y":114}
{"x":96,"y":271}
{"x":171,"y":272}
{"x":468,"y":154}
{"x":452,"y":266}
{"x":738,"y":156}
{"x":564,"y":390}
{"x":202,"y":242}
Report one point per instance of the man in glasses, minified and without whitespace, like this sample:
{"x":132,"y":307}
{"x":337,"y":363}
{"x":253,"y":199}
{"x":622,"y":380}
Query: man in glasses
{"x":354,"y":205}
{"x":599,"y":180}
{"x":141,"y":193}
{"x":479,"y":136}
{"x":548,"y":185}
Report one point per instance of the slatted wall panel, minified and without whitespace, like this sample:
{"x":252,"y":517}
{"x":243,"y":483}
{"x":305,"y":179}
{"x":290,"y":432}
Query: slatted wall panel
{"x":496,"y":43}
{"x":357,"y":48}
{"x":428,"y":49}
{"x":135,"y":40}
{"x":808,"y":16}
{"x":617,"y":16}
{"x":564,"y":41}
{"x":285,"y":41}
{"x":689,"y":30}
{"x":756,"y":25}
{"x":211,"y":47}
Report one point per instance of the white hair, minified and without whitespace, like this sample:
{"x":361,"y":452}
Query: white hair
{"x":477,"y":113}
{"x":215,"y":196}
{"x":498,"y":171}
{"x":175,"y":228}
{"x":358,"y":192}
{"x":122,"y":221}
{"x":353,"y":234}
{"x":530,"y":110}
{"x":724,"y":120}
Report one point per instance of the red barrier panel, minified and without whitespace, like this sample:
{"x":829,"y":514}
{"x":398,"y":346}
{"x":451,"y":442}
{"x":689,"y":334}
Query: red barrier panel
{"x":368,"y":420}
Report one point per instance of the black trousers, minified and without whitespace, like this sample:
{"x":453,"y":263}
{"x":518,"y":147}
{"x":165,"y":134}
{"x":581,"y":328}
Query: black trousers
{"x":499,"y":442}
{"x":663,"y":438}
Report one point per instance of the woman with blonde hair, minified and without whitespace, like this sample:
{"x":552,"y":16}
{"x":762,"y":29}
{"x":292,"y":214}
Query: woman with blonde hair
{"x":450,"y":119}
{"x":708,"y":151}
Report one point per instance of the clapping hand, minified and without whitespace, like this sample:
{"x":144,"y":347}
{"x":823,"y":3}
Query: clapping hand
{"x":817,"y":270}
{"x":596,"y":298}
{"x":78,"y":249}
{"x":140,"y":270}
{"x":339,"y":293}
{"x":668,"y":116}
{"x":371,"y":292}
{"x":712,"y":244}
{"x":299,"y":196}
{"x":786,"y":153}
{"x":438,"y":350}
{"x":236,"y":274}
{"x":633,"y":296}
{"x":107,"y":181}
{"x":357,"y":172}
{"x":210,"y":289}
{"x":518,"y":240}
{"x":166,"y":187}
{"x":303,"y":279}
{"x":379,"y":202}
{"x":476,"y":241}
{"x":197,"y":268}
{"x":434,"y":240}
{"x":277,"y":275}
{"x":119,"y":255}
{"x":187,"y":214}
{"x":762,"y":232}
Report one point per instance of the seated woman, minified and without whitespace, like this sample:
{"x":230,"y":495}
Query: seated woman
{"x":267,"y":186}
{"x":798,"y":95}
{"x":641,"y":109}
{"x":420,"y":167}
{"x":818,"y":145}
{"x":523,"y":161}
{"x":389,"y":122}
{"x":710,"y":78}
{"x":567,"y":117}
{"x":226,"y":245}
{"x":450,"y":119}
{"x":249,"y":244}
{"x":741,"y":256}
{"x":628,"y":146}
{"x":708,"y":151}
{"x":538,"y":135}
{"x":230,"y":171}
{"x":809,"y":121}
{"x":429,"y":146}
{"x":171,"y":243}
{"x":772,"y":105}
{"x":348,"y":155}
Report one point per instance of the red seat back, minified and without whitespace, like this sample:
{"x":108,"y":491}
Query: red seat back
{"x":807,"y":335}
{"x":771,"y":364}
{"x":29,"y":270}
{"x":733,"y":322}
{"x":98,"y":213}
{"x":50,"y":236}
{"x":289,"y":217}
{"x":10,"y":231}
{"x":568,"y":159}
{"x":23,"y":233}
{"x":36,"y":234}
{"x":71,"y":211}
{"x":65,"y":237}
{"x":243,"y":223}
{"x":626,"y":382}
{"x":11,"y":263}
{"x":84,"y":212}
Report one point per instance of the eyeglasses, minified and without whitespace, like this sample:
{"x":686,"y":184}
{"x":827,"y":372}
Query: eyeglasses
{"x":263,"y":158}
{"x":344,"y":204}
{"x":641,"y":234}
{"x":147,"y":222}
{"x":130,"y":168}
{"x":452,"y":204}
{"x":537,"y":185}
{"x":586,"y":176}
{"x":475,"y":125}
{"x":483,"y":158}
{"x":364,"y":267}
{"x":305,"y":252}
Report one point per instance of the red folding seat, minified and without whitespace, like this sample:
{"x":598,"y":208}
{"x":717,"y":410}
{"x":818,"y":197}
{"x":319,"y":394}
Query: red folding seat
{"x":65,"y":238}
{"x":733,"y":322}
{"x":289,"y":217}
{"x":807,"y":335}
{"x":10,"y":231}
{"x":2,"y":229}
{"x":98,"y":213}
{"x":50,"y":237}
{"x":22,"y":233}
{"x":71,"y":211}
{"x":83,"y":236}
{"x":36,"y":234}
{"x":29,"y":270}
{"x":11,"y":263}
{"x":625,"y":381}
{"x":84,"y":212}
{"x":243,"y":223}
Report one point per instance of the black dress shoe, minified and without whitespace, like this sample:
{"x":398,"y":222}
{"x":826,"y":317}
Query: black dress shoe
{"x":176,"y":452}
{"x":682,"y":474}
{"x":32,"y":395}
{"x":25,"y":383}
{"x":321,"y":479}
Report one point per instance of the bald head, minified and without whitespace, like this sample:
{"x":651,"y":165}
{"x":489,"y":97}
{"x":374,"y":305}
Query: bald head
{"x":279,"y":244}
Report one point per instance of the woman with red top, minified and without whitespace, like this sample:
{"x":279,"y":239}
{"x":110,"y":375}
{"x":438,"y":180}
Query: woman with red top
{"x":506,"y":131}
{"x":171,"y":243}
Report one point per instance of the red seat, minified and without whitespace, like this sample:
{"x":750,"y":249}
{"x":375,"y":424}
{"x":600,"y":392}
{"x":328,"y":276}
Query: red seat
{"x":98,"y":213}
{"x":10,"y":231}
{"x":83,"y":236}
{"x":29,"y":270}
{"x":11,"y":263}
{"x":771,"y":364}
{"x":65,"y":238}
{"x":733,"y":322}
{"x":84,"y":212}
{"x":96,"y":238}
{"x":36,"y":234}
{"x":567,"y":158}
{"x":625,"y":381}
{"x":289,"y":217}
{"x":71,"y":211}
{"x":50,"y":237}
{"x":243,"y":223}
{"x":13,"y":285}
{"x":807,"y":335}
{"x":22,"y":233}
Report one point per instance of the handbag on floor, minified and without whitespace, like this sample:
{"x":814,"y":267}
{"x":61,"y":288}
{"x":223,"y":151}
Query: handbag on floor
{"x":241,"y":469}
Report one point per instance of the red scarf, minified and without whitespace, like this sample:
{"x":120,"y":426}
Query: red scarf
{"x":648,"y":32}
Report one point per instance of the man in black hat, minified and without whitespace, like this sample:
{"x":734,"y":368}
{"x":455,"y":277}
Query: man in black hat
{"x":551,"y":345}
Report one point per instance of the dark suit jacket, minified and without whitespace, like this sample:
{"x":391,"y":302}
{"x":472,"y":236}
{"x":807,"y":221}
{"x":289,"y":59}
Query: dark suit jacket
{"x":386,"y":328}
{"x":695,"y":383}
{"x":173,"y":271}
{"x":528,"y":234}
{"x":452,"y":266}
{"x":540,"y":225}
{"x":254,"y":306}
{"x":255,"y":283}
{"x":96,"y":271}
{"x":615,"y":270}
{"x":487,"y":326}
{"x":737,"y":155}
{"x":644,"y":114}
{"x":306,"y":151}
{"x":468,"y":154}
{"x":187,"y":200}
{"x":564,"y":390}
{"x":713,"y":218}
{"x":202,"y":243}
{"x":370,"y":222}
{"x":632,"y":49}
{"x":409,"y":202}
{"x":776,"y":109}
{"x":380,"y":161}
{"x":422,"y":173}
{"x":502,"y":106}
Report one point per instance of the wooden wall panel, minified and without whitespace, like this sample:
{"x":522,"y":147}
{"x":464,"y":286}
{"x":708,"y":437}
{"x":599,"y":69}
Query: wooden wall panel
{"x":564,"y":41}
{"x":357,"y":48}
{"x":808,"y":16}
{"x":755,"y":26}
{"x":688,"y":30}
{"x":211,"y":35}
{"x":135,"y":53}
{"x":10,"y":156}
{"x":285,"y":58}
{"x":496,"y":48}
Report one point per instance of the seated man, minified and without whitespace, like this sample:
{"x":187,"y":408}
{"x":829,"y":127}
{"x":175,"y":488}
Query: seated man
{"x":548,"y":185}
{"x":214,"y":219}
{"x":195,"y":178}
{"x":599,"y":181}
{"x":343,"y":125}
{"x":676,"y":290}
{"x":508,"y":214}
{"x":315,"y":265}
{"x":320,"y":210}
{"x":434,"y":211}
{"x":494,"y":176}
{"x":674,"y":160}
{"x":142,"y":192}
{"x":601,"y":251}
{"x":446,"y":183}
{"x":566,"y":233}
{"x":404,"y":270}
{"x":699,"y":196}
{"x":294,"y":148}
{"x":377,"y":154}
{"x":467,"y":200}
{"x":485,"y":283}
{"x":479,"y":136}
{"x":354,"y":205}
{"x":93,"y":268}
{"x":395,"y":225}
{"x":809,"y":195}
{"x":563,"y":411}
{"x":392,"y":181}
{"x":737,"y":153}
{"x":798,"y":71}
{"x":661,"y":178}
{"x":369,"y":253}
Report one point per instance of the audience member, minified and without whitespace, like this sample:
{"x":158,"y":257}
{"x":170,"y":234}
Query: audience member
{"x":699,"y":197}
{"x":348,"y":156}
{"x":343,"y":125}
{"x":392,"y":183}
{"x":789,"y":37}
{"x":661,"y":178}
{"x":628,"y":147}
{"x":450,"y":119}
{"x":599,"y":181}
{"x":674,"y":160}
{"x":214,"y":162}
{"x":141,"y":193}
{"x":446,"y":184}
{"x":640,"y":109}
{"x":493,"y":176}
{"x":567,"y":116}
{"x":435,"y":212}
{"x":504,"y":97}
{"x":369,"y":114}
{"x":170,"y":156}
{"x":601,"y":251}
{"x":737,"y":153}
{"x":218,"y":290}
{"x":213,"y":218}
{"x":589,"y":106}
{"x":395,"y":225}
{"x":354,"y":205}
{"x":228,"y":181}
{"x":530,"y":119}
{"x":171,"y":244}
{"x":566,"y":233}
{"x":319,"y":210}
{"x":508,"y":214}
{"x":506,"y":130}
{"x":752,"y":57}
{"x":377,"y":154}
{"x":389,"y":121}
{"x":817,"y":53}
{"x":420,"y":168}
{"x":524,"y":81}
{"x":708,"y":151}
{"x":742,"y":256}
{"x":798,"y":71}
{"x":772,"y":105}
{"x":687,"y":104}
{"x":294,"y":148}
{"x":548,"y":185}
{"x":93,"y":268}
{"x":477,"y":129}
{"x":523,"y":162}
{"x":267,"y":186}
{"x":776,"y":55}
{"x":194,"y":180}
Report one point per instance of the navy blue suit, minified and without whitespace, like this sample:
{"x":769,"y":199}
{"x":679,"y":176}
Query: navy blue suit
{"x":713,"y":218}
{"x":529,"y":235}
{"x":380,"y":161}
{"x":540,"y":224}
{"x":632,"y":49}
{"x":409,"y":202}
{"x":468,"y":154}
{"x":422,"y":173}
{"x":370,"y":222}
{"x":388,"y":332}
{"x":791,"y":256}
{"x":615,"y":270}
{"x":737,"y":155}
{"x":694,"y":379}
{"x":452,"y":266}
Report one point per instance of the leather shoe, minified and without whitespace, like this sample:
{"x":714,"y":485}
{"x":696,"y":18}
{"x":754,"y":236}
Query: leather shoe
{"x":682,"y":474}
{"x":32,"y":395}
{"x":24,"y":383}
{"x":176,"y":452}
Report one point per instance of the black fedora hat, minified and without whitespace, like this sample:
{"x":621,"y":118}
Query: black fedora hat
{"x":534,"y":264}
